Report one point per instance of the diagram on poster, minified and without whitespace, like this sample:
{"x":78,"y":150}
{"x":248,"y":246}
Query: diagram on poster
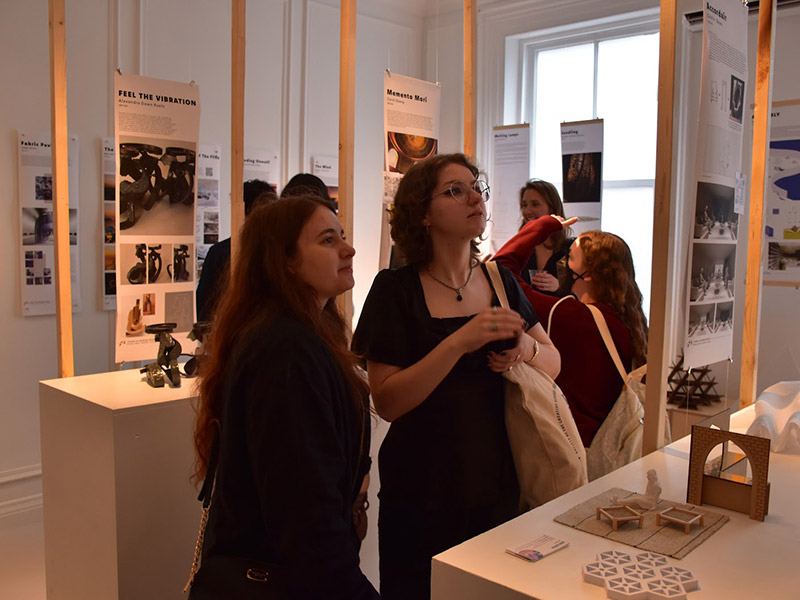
{"x":715,"y":227}
{"x":156,"y":132}
{"x":783,"y":195}
{"x":510,"y":170}
{"x":582,"y":172}
{"x":37,"y":233}
{"x":209,"y":161}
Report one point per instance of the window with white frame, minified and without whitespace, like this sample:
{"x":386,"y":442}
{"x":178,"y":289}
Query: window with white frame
{"x":606,"y":70}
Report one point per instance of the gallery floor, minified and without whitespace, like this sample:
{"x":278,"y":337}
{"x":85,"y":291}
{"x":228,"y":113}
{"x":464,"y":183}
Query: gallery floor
{"x":22,"y":556}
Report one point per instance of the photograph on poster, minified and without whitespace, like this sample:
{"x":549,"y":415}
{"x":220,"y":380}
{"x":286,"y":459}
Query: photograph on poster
{"x":179,"y":309}
{"x":208,"y":193}
{"x":149,"y":304}
{"x":210,"y":238}
{"x":44,"y":188}
{"x":737,"y":99}
{"x":713,"y":270}
{"x":582,"y":177}
{"x":210,"y":227}
{"x":701,"y":320}
{"x":783,"y":257}
{"x":144,"y":264}
{"x":715,"y":219}
{"x":723,"y":319}
{"x":156,"y":190}
{"x":108,"y":187}
{"x":135,"y":324}
{"x":181,"y":267}
{"x":406,"y":149}
{"x":110,"y":287}
{"x":37,"y":227}
{"x":109,"y":228}
{"x":109,"y":258}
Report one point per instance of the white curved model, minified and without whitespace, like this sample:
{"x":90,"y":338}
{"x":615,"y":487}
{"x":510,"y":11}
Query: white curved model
{"x":778,"y":417}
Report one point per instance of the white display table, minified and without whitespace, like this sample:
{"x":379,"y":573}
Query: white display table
{"x":120,"y":515}
{"x":744,"y":560}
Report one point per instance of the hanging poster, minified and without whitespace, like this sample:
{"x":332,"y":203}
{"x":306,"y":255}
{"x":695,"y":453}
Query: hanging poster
{"x":156,"y":131}
{"x":782,"y":230}
{"x":411,"y":121}
{"x":209,"y":160}
{"x":109,"y":234}
{"x":582,"y":172}
{"x":37,"y":233}
{"x":510,"y":170}
{"x":715,"y":228}
{"x":262,"y":164}
{"x":410,"y":134}
{"x":327,"y":169}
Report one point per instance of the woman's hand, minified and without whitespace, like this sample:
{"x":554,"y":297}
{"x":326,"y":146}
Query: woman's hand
{"x":565,"y":222}
{"x":544,"y":281}
{"x":489,"y":325}
{"x":508,"y":359}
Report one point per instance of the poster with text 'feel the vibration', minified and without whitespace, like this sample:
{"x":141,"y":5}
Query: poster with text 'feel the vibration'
{"x":156,"y":142}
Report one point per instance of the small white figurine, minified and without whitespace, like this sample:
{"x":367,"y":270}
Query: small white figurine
{"x":646,"y":501}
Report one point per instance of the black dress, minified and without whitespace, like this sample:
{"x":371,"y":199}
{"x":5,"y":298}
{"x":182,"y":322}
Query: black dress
{"x":291,"y":463}
{"x":446,"y":469}
{"x":551,"y":266}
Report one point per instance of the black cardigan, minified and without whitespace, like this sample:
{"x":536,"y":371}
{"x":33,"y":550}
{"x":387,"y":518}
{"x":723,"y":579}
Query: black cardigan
{"x":290,"y":463}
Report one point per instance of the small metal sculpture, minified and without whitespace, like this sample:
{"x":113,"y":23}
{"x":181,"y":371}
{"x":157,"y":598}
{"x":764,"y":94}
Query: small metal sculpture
{"x":199,"y":331}
{"x":167,"y":361}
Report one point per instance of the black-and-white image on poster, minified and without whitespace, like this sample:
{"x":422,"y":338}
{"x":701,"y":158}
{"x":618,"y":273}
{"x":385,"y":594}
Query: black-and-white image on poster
{"x":37,"y":226}
{"x":715,"y":227}
{"x":156,"y":133}
{"x":208,"y":171}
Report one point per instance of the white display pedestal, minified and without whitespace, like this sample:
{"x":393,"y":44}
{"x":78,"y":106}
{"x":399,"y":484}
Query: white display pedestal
{"x":120,"y":515}
{"x":744,"y":560}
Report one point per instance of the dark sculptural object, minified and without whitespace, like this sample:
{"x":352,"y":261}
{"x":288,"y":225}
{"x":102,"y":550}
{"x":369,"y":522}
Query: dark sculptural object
{"x":180,"y":256}
{"x":149,"y":266}
{"x":199,"y":331}
{"x":167,"y":361}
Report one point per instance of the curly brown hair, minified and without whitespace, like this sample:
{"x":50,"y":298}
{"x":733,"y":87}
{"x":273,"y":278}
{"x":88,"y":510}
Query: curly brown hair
{"x":261,"y":288}
{"x":608,"y":258}
{"x":411,"y":203}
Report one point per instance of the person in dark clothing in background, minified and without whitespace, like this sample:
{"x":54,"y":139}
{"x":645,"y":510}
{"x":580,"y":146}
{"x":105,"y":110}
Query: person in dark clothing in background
{"x":215,"y":266}
{"x":306,"y":183}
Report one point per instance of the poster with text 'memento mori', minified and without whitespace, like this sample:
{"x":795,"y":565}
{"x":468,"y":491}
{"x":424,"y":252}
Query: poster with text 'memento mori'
{"x":156,"y":138}
{"x":37,"y":224}
{"x":582,"y":172}
{"x":715,"y":226}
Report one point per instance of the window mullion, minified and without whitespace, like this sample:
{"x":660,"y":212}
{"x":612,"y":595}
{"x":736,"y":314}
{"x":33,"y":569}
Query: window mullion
{"x":594,"y":87}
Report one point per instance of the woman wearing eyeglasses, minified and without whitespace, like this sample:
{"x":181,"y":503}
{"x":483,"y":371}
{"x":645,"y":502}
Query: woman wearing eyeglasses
{"x":436,"y":340}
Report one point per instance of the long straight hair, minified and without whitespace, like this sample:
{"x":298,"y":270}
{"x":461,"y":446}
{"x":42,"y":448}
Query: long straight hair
{"x":261,"y":289}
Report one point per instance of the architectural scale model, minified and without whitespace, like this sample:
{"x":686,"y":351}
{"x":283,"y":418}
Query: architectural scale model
{"x":643,"y":576}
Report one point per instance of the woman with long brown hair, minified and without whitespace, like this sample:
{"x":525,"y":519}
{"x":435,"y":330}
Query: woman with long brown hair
{"x":436,"y":341}
{"x":283,"y":406}
{"x":600,"y":272}
{"x":538,"y":198}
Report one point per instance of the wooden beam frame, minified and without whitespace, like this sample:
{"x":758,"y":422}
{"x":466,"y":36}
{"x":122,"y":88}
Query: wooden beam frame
{"x":238,"y":41}
{"x":470,"y":79}
{"x":59,"y":139}
{"x":347,"y":92}
{"x":755,"y":230}
{"x":657,"y":358}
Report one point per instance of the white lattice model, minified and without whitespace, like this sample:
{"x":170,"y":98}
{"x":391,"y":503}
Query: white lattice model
{"x":643,"y":576}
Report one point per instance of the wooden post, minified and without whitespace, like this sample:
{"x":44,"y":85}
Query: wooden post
{"x":347,"y":91}
{"x":470,"y":68}
{"x":656,"y":395}
{"x":752,"y":287}
{"x":238,"y":39}
{"x":58,"y":146}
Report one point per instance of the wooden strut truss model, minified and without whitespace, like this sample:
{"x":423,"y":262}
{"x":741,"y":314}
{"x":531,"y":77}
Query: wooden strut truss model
{"x":690,"y":388}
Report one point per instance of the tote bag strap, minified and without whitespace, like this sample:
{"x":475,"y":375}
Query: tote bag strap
{"x":552,"y":310}
{"x":602,"y":326}
{"x":497,"y":283}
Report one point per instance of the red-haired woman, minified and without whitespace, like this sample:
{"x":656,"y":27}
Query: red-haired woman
{"x":600,"y":273}
{"x":281,"y":393}
{"x":436,"y":340}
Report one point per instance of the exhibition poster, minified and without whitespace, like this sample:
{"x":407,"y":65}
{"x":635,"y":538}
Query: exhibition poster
{"x":209,"y":161}
{"x":327,"y":169}
{"x":715,"y":226}
{"x":156,"y":132}
{"x":783,"y":195}
{"x":109,"y":234}
{"x":37,"y":233}
{"x":582,"y":173}
{"x":511,"y":167}
{"x":262,"y":164}
{"x":411,"y":121}
{"x":410,"y":134}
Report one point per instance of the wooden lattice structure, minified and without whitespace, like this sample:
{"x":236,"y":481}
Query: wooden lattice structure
{"x":689,"y":388}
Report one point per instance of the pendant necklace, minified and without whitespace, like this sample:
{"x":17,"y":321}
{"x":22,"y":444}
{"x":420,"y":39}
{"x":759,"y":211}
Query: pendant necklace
{"x":458,"y":290}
